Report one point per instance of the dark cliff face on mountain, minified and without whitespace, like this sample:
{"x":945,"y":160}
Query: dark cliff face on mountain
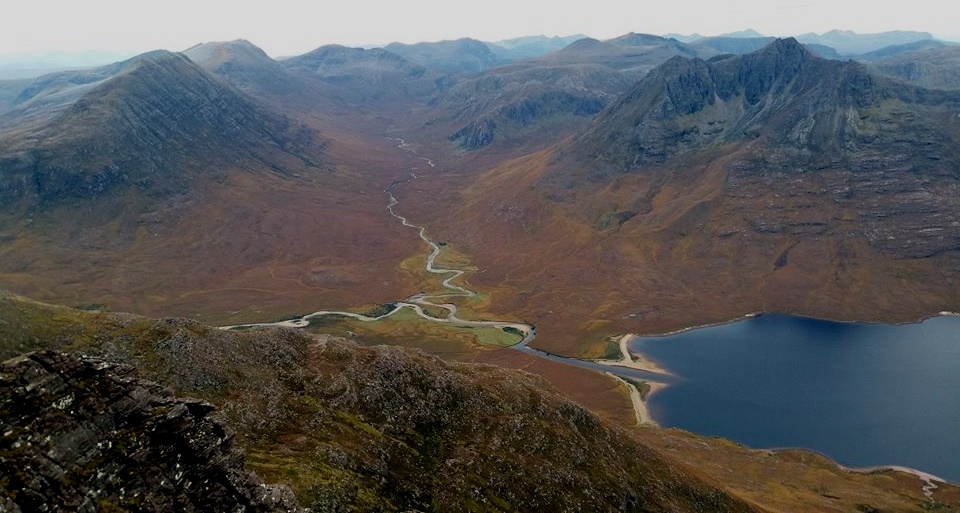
{"x":82,"y":434}
{"x":810,"y":111}
{"x":157,"y":125}
{"x":795,"y":124}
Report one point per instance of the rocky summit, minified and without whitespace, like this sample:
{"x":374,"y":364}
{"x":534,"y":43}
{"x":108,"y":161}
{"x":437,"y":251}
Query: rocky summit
{"x":81,"y":434}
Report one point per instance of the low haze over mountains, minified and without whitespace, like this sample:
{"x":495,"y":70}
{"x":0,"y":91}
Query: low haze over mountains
{"x":589,"y":188}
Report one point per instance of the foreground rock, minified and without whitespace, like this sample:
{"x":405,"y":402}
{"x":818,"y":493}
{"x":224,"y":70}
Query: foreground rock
{"x":80,"y":434}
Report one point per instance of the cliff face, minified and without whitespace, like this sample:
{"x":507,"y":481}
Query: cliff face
{"x":805,"y":112}
{"x":81,"y":434}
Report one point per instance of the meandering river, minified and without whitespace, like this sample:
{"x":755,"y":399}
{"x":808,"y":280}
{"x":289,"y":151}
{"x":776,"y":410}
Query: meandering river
{"x":416,"y":302}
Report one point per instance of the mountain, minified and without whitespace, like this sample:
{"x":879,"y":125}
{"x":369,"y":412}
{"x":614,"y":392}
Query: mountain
{"x":684,"y":38}
{"x":35,"y":64}
{"x":373,"y":428}
{"x":163,"y":169}
{"x":742,"y":34}
{"x":461,"y":56}
{"x":782,"y":93}
{"x":38,"y":100}
{"x":890,"y":51}
{"x":363,"y":75}
{"x":632,"y":54}
{"x":83,"y":431}
{"x":153,"y":125}
{"x":802,"y":114}
{"x":516,"y":102}
{"x":773,"y":181}
{"x":933,"y":66}
{"x":713,"y":46}
{"x":509,"y":50}
{"x":247,"y":66}
{"x":538,"y":100}
{"x":851,"y":43}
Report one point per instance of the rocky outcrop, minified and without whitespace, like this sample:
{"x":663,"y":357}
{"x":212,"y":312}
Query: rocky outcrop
{"x":81,"y":434}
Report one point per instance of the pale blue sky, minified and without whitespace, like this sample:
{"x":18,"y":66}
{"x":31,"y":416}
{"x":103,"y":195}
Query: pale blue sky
{"x":288,"y":27}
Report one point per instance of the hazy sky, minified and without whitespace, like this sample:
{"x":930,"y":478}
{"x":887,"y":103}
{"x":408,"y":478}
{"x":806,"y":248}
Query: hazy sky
{"x":289,"y":27}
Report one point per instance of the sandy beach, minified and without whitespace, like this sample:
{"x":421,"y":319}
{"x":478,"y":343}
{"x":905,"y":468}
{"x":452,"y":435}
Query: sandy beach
{"x":633,"y":361}
{"x":639,"y":404}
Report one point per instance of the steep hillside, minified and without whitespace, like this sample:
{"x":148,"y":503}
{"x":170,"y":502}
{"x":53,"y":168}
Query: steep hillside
{"x":85,"y":434}
{"x":351,"y":428}
{"x":159,"y":123}
{"x":165,"y":170}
